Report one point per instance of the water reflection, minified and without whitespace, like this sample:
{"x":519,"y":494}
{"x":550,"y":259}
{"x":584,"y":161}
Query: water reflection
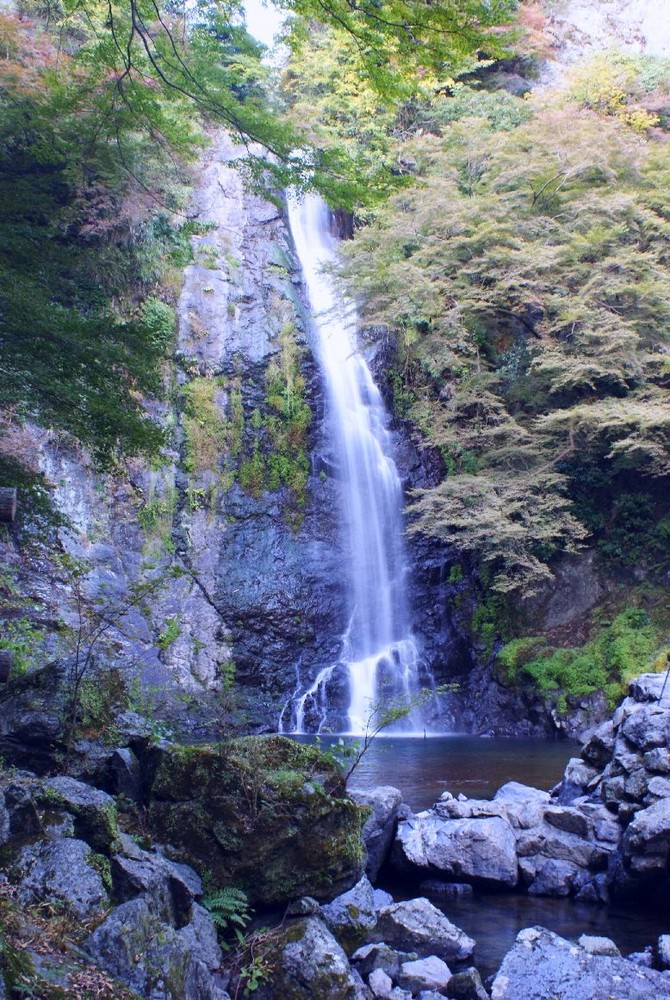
{"x":424,"y":768}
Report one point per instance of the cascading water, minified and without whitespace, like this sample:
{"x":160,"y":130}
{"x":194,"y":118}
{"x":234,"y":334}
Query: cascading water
{"x":379,"y":656}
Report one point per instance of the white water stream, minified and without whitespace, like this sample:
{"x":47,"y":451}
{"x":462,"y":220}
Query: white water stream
{"x":378,"y":650}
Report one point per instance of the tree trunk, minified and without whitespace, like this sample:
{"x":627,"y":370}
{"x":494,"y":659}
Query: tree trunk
{"x":6,"y":657}
{"x":7,"y":503}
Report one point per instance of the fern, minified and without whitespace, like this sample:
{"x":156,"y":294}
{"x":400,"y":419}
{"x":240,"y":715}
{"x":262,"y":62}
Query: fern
{"x":229,"y":909}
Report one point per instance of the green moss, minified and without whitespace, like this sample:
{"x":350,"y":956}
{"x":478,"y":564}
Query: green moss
{"x":618,"y":652}
{"x":262,"y":813}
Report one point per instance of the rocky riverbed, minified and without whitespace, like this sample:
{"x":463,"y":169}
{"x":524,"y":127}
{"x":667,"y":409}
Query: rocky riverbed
{"x":103,"y":868}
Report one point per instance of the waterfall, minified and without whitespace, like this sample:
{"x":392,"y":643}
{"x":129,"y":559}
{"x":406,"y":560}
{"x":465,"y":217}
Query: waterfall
{"x":379,"y":659}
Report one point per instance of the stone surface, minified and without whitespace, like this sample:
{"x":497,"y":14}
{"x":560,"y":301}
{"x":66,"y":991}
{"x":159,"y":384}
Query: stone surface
{"x":154,"y":959}
{"x":379,"y":827}
{"x":62,"y":871}
{"x":380,"y":984}
{"x":479,"y":849}
{"x":554,"y":878}
{"x":599,"y":946}
{"x":94,"y":811}
{"x":429,"y":973}
{"x":544,"y":966}
{"x":309,"y":964}
{"x":381,"y":956}
{"x":467,"y":985}
{"x":421,"y":927}
{"x":352,"y":915}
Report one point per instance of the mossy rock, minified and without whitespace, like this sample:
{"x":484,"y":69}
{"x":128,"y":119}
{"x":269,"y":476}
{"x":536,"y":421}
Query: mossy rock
{"x":265,"y":814}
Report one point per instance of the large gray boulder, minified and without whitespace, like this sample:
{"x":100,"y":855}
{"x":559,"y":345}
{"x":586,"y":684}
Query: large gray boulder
{"x":309,"y":964}
{"x":379,"y":829}
{"x":419,"y":926}
{"x":61,"y":871}
{"x":645,"y":842}
{"x":543,"y":966}
{"x":482,"y":849}
{"x":153,"y":958}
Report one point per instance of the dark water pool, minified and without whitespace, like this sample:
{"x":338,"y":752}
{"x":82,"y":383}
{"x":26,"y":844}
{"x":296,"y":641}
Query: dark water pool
{"x":424,"y":768}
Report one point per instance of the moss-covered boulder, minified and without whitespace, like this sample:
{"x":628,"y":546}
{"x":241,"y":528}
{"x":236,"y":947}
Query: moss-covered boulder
{"x":266,"y":814}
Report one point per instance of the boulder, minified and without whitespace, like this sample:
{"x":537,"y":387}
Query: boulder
{"x":599,"y":945}
{"x":266,"y":814}
{"x":554,"y":878}
{"x":126,"y":774}
{"x":31,"y":719}
{"x":352,"y":915}
{"x":379,"y":828}
{"x":541,"y":965}
{"x":419,"y":925}
{"x":381,"y":956}
{"x":380,"y":984}
{"x":429,"y":973}
{"x":94,"y":811}
{"x":479,"y":849}
{"x":308,"y":964}
{"x":153,"y":958}
{"x":62,"y":871}
{"x":172,"y":887}
{"x":466,"y":985}
{"x":663,"y":951}
{"x":645,"y":842}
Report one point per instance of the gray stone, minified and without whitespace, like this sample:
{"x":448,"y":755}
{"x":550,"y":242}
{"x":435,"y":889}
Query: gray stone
{"x":648,"y":687}
{"x":523,"y":805}
{"x":557,"y":845}
{"x":126,"y":774}
{"x":542,"y":965}
{"x":380,"y":984}
{"x":461,"y":849}
{"x":309,"y":964}
{"x":429,"y":973}
{"x":567,"y":819}
{"x":649,"y":832}
{"x":199,"y":936}
{"x":554,"y":878}
{"x":663,"y":951}
{"x":381,"y":898}
{"x":419,"y":925}
{"x":467,"y":985}
{"x":659,"y":787}
{"x":352,"y":915}
{"x":154,"y":959}
{"x":172,"y":886}
{"x":381,"y":956}
{"x":599,"y":945}
{"x":658,"y":760}
{"x":306,"y":906}
{"x":379,"y":828}
{"x":598,"y":750}
{"x":437,"y":889}
{"x":648,"y":728}
{"x":94,"y":811}
{"x":467,"y":809}
{"x":61,"y":871}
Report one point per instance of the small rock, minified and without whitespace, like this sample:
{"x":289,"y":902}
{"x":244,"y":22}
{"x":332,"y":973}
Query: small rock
{"x":382,"y":899}
{"x":599,"y":945}
{"x":380,"y":956}
{"x":94,"y":811}
{"x":352,"y":915}
{"x":380,"y":984}
{"x":467,"y":985}
{"x":445,"y":890}
{"x":304,"y":907}
{"x":126,"y":774}
{"x":429,"y":973}
{"x":555,"y":878}
{"x":663,"y":951}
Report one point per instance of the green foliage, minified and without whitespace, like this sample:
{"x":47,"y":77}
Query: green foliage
{"x":524,"y":278}
{"x":170,"y":633}
{"x":619,"y":652}
{"x":229,"y":910}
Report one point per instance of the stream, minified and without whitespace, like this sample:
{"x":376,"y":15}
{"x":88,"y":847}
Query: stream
{"x":476,"y":767}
